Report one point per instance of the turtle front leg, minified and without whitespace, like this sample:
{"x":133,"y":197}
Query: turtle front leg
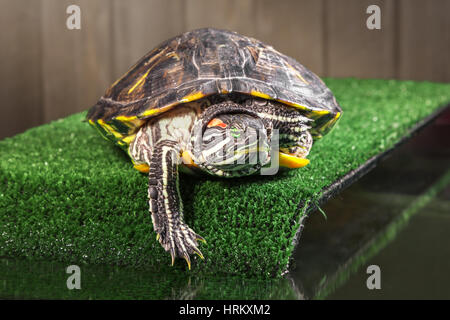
{"x":165,"y":202}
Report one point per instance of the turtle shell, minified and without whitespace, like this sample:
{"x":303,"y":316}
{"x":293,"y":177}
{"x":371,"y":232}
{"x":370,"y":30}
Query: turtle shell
{"x":206,"y":62}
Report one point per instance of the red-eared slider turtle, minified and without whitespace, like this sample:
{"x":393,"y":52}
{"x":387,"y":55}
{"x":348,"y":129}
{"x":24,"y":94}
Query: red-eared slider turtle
{"x":211,"y":101}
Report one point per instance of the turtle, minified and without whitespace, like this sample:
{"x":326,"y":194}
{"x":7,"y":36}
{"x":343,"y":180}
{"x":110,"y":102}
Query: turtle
{"x":216,"y":103}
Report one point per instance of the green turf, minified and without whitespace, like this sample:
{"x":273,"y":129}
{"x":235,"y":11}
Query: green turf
{"x":68,"y":195}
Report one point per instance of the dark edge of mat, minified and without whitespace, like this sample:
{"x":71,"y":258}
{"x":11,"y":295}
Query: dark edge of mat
{"x":348,"y":179}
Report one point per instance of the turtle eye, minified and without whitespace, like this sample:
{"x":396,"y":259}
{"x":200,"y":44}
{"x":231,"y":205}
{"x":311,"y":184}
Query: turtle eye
{"x":235,"y":132}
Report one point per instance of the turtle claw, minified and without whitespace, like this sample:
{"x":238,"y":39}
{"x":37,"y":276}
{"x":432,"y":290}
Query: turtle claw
{"x":200,"y":238}
{"x":188,"y":260}
{"x":199,"y":253}
{"x":173,"y":255}
{"x":181,"y":242}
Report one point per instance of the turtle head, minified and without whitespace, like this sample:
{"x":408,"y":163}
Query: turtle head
{"x":233,"y":144}
{"x":232,"y":140}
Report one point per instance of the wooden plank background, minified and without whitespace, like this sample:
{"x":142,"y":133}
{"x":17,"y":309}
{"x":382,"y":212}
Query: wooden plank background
{"x":49,"y":72}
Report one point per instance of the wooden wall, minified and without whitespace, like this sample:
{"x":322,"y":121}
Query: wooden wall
{"x":49,"y":71}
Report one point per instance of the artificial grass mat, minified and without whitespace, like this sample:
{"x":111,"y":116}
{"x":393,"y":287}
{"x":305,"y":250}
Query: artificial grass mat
{"x":68,"y":195}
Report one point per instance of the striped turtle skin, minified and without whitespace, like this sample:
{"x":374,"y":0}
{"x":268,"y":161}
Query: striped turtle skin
{"x":204,"y":101}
